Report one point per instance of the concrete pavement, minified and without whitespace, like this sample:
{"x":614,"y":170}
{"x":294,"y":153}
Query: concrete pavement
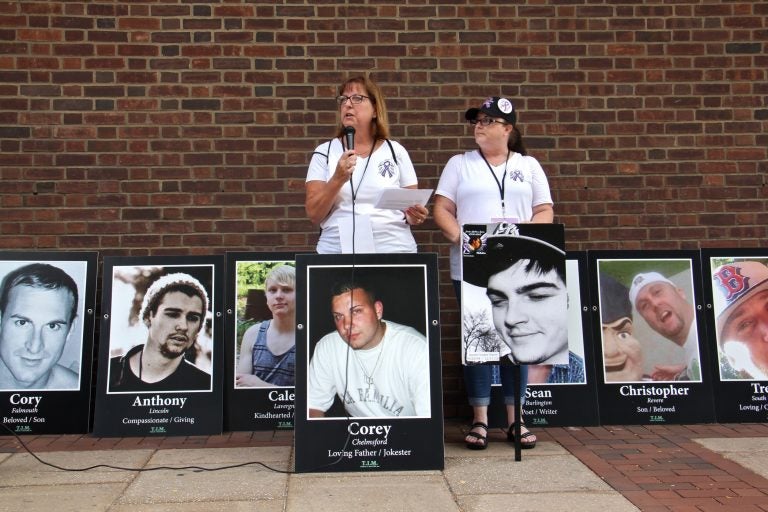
{"x":616,"y":469}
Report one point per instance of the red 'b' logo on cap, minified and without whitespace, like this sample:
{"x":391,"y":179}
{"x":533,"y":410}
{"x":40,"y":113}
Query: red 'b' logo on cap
{"x":731,"y":282}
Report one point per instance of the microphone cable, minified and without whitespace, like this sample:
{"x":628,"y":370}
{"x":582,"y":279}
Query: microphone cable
{"x":349,"y":136}
{"x":349,"y":349}
{"x":140,"y":470}
{"x":198,"y":469}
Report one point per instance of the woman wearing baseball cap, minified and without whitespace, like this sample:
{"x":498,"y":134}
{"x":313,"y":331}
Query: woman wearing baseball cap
{"x":493,"y":183}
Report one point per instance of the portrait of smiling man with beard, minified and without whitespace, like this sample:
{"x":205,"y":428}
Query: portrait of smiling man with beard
{"x":173,"y":310}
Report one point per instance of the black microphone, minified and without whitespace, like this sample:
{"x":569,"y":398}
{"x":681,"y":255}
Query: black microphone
{"x":349,"y":134}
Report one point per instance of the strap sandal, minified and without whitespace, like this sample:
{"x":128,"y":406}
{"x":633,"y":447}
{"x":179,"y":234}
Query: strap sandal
{"x":527,"y":438}
{"x":481,"y":441}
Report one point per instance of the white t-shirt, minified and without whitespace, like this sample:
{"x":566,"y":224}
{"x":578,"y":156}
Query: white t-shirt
{"x":400,"y":379}
{"x":467,"y":181}
{"x":390,"y":231}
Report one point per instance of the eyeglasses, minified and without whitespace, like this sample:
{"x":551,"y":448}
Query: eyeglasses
{"x":485,"y":121}
{"x":356,"y":99}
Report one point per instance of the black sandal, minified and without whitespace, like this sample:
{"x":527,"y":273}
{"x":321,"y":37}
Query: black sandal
{"x":482,"y":440}
{"x":525,"y":437}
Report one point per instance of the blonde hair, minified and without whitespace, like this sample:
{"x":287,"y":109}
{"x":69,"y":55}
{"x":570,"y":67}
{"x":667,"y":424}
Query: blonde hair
{"x":283,"y":275}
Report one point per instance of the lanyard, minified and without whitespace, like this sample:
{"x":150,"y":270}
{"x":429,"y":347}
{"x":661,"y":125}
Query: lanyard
{"x":501,"y":184}
{"x":360,"y":184}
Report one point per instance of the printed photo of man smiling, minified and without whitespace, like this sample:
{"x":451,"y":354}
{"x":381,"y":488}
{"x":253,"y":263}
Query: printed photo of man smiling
{"x":38,"y":310}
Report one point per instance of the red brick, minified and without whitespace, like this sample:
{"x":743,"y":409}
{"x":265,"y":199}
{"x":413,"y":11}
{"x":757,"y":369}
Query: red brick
{"x":241,"y":93}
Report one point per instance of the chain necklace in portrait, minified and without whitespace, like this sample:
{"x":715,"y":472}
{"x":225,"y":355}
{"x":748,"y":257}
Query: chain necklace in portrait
{"x":369,"y":375}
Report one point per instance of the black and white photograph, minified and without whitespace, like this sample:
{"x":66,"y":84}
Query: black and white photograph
{"x":46,"y":337}
{"x":161,"y":334}
{"x":161,"y":346}
{"x":41,"y":329}
{"x":368,"y":362}
{"x":515,"y":298}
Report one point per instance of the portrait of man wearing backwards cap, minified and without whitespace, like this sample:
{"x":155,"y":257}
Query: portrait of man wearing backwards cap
{"x":740,"y":294}
{"x":524,"y":280}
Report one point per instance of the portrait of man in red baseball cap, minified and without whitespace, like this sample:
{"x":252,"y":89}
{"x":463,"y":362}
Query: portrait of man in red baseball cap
{"x":740,"y":293}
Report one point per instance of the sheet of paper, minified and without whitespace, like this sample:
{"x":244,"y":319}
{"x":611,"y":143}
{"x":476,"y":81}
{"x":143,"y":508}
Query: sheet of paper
{"x":363,"y":233}
{"x":402,"y":198}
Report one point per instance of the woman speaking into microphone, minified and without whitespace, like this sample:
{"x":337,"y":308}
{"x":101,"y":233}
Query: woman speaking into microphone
{"x":347,"y":173}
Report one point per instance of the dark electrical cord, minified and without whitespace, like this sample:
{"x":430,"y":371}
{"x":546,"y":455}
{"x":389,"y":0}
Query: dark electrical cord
{"x":349,"y":328}
{"x":121,"y":468}
{"x":243,"y":464}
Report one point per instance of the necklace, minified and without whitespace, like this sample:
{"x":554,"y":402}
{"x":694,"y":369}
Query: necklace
{"x":369,"y":376}
{"x":501,"y":184}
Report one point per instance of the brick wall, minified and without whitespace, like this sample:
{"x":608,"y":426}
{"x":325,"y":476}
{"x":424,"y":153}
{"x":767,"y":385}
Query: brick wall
{"x":178,"y":127}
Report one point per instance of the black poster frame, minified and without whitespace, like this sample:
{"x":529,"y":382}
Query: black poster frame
{"x":171,"y":412}
{"x":66,"y":410}
{"x":339,"y":442}
{"x":640,"y":400}
{"x":252,"y":408}
{"x":740,"y":395}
